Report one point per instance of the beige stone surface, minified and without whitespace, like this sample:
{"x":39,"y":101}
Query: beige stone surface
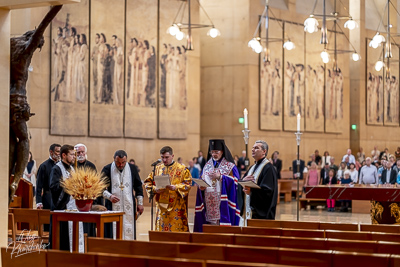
{"x":4,"y":124}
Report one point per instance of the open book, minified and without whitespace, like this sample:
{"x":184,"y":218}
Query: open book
{"x":200,"y":182}
{"x":250,"y":184}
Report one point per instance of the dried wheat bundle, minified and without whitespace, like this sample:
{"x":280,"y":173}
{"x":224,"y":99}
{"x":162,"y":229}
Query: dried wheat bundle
{"x":85,"y":183}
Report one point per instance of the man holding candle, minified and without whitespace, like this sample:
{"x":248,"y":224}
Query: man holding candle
{"x":260,"y":203}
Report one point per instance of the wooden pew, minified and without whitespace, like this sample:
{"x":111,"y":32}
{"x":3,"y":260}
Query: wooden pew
{"x":169,"y":236}
{"x":341,"y":259}
{"x":29,"y":218}
{"x":57,"y":258}
{"x":44,"y":218}
{"x":212,"y":238}
{"x":236,"y":253}
{"x":222,"y":229}
{"x":332,"y":234}
{"x":339,"y":226}
{"x":366,"y":246}
{"x":380,"y":228}
{"x":285,"y":187}
{"x":302,"y":225}
{"x":31,"y":259}
{"x":324,"y":226}
{"x":12,"y":227}
{"x":320,"y":258}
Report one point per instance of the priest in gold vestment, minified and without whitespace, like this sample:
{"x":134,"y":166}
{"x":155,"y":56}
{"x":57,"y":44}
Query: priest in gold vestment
{"x":172,"y":201}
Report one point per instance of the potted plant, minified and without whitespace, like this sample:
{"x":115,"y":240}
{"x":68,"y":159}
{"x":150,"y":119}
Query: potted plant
{"x":84,"y":185}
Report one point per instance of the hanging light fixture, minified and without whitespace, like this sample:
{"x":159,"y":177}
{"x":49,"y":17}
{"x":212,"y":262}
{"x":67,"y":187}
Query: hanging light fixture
{"x":177,"y":26}
{"x":379,"y":65}
{"x":355,"y":56}
{"x":325,"y":56}
{"x":379,"y":39}
{"x":213,"y":32}
{"x":256,"y":42}
{"x":311,"y":26}
{"x":311,"y":23}
{"x":289,"y":45}
{"x":350,"y":24}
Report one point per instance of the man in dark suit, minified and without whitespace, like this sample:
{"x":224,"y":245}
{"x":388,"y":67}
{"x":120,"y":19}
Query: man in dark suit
{"x":277,"y":163}
{"x":242,"y":163}
{"x":301,"y":169}
{"x":200,"y":159}
{"x":324,"y":172}
{"x":389,"y":176}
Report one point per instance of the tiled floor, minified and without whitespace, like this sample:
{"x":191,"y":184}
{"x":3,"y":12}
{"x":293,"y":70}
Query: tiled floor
{"x":285,"y":211}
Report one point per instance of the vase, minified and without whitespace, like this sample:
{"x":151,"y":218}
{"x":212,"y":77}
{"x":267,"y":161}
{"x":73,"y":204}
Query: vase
{"x":83,"y":204}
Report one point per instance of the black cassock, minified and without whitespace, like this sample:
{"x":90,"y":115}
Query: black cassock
{"x":262,"y":201}
{"x":60,"y":200}
{"x":43,"y":183}
{"x":136,"y":185}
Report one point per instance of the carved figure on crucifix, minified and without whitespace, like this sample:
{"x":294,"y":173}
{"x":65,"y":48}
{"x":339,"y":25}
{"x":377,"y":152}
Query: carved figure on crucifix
{"x":22,"y":49}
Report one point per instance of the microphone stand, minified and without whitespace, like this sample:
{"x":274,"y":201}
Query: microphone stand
{"x":152,"y":196}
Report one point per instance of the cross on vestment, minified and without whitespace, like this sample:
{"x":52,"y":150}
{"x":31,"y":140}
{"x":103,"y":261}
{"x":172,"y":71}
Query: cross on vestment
{"x":121,"y":186}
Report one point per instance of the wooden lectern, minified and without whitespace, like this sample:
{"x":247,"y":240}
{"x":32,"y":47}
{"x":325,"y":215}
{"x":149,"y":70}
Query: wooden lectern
{"x":24,"y":195}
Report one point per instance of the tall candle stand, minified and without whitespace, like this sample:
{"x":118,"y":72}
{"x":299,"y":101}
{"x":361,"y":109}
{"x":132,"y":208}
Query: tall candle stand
{"x":246,"y":132}
{"x":298,"y":139}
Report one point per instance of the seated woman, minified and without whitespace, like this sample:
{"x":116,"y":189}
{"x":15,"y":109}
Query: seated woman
{"x":331,"y":179}
{"x":345,"y":204}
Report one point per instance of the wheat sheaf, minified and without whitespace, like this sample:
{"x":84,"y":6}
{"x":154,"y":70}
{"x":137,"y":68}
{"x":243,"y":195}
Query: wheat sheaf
{"x":85,"y":183}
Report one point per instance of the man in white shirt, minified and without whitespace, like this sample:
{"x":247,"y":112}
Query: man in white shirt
{"x":368,"y":173}
{"x":351,"y":157}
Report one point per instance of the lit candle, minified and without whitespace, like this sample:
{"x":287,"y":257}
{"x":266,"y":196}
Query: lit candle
{"x":246,"y":123}
{"x":298,"y":122}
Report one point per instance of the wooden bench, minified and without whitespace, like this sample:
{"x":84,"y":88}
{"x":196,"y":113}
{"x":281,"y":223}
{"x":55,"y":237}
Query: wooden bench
{"x":58,"y":258}
{"x":285,"y":187}
{"x":336,"y":234}
{"x":303,"y":225}
{"x":366,"y":246}
{"x":236,"y":253}
{"x":12,"y":227}
{"x":33,"y":220}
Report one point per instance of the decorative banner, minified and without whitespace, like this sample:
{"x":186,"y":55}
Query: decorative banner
{"x":271,"y":79}
{"x":335,"y":83}
{"x":391,"y":92}
{"x":314,"y":84}
{"x":107,"y":68}
{"x":374,"y":90}
{"x":69,"y":70}
{"x":173,"y":77}
{"x":294,"y":74}
{"x":140,"y":58}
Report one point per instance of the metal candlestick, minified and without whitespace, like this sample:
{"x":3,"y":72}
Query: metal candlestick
{"x":246,"y":132}
{"x":298,"y":138}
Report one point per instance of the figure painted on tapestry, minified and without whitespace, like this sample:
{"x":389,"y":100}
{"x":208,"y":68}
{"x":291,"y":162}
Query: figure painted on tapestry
{"x":141,"y":76}
{"x":271,"y":87}
{"x":69,"y":63}
{"x":173,"y":89}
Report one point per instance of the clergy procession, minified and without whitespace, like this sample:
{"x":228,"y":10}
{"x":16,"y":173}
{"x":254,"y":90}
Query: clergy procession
{"x":220,"y":200}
